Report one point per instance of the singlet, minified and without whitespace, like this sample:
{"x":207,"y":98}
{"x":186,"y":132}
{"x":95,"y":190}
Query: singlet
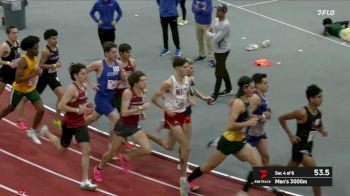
{"x":124,"y":84}
{"x":238,"y":135}
{"x":307,"y":131}
{"x":109,"y":78}
{"x":54,"y":57}
{"x":29,"y":85}
{"x":258,"y":130}
{"x":72,"y":119}
{"x":135,"y":101}
{"x":13,"y":56}
{"x":176,"y":99}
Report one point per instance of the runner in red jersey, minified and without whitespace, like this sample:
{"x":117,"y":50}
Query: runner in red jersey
{"x":74,"y":104}
{"x":133,"y":104}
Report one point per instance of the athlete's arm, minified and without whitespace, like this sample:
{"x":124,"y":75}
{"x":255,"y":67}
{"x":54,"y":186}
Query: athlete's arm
{"x":345,"y":23}
{"x":94,"y":67}
{"x":325,"y":30}
{"x":45,"y":55}
{"x":133,"y":64}
{"x":323,"y":131}
{"x":126,"y":99}
{"x":70,"y":94}
{"x":255,"y":103}
{"x":198,"y":94}
{"x":238,"y":107}
{"x":19,"y":77}
{"x":4,"y":48}
{"x":299,"y":115}
{"x":164,"y":88}
{"x":122,"y":72}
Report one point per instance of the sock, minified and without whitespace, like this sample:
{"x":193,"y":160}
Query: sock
{"x":195,"y":174}
{"x":249,"y":181}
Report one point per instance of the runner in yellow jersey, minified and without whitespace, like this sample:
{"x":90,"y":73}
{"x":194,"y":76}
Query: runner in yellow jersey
{"x":25,"y":82}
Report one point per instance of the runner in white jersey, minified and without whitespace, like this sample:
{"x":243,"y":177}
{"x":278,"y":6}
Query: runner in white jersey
{"x":176,"y":94}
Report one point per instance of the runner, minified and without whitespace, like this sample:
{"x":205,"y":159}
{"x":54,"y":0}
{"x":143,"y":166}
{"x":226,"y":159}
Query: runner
{"x":176,"y":92}
{"x":74,"y":104}
{"x":25,"y":82}
{"x":108,"y":75}
{"x":232,"y":140}
{"x":9,"y":53}
{"x":50,"y":62}
{"x":309,"y":122}
{"x":133,"y":105}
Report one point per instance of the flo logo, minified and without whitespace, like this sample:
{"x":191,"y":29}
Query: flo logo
{"x":263,"y":174}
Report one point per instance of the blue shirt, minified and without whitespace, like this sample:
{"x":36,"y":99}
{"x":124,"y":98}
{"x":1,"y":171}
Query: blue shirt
{"x":263,"y":106}
{"x":202,"y":10}
{"x":108,"y":80}
{"x":167,"y":8}
{"x":106,"y":12}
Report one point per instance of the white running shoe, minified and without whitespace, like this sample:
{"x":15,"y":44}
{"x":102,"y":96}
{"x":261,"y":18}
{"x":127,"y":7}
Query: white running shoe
{"x":42,"y":131}
{"x":32,"y":134}
{"x":87,"y":185}
{"x":188,"y":170}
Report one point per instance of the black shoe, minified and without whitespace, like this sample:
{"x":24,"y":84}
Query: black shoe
{"x":225,"y":93}
{"x":212,"y":63}
{"x":199,"y":59}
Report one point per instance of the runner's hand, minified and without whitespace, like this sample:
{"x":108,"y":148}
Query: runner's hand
{"x":146,"y":106}
{"x":58,"y":64}
{"x":114,"y":23}
{"x":252,"y":121}
{"x":100,"y":22}
{"x":294,"y":139}
{"x":170,"y":113}
{"x":95,"y":87}
{"x":324,"y":133}
{"x":37,"y":71}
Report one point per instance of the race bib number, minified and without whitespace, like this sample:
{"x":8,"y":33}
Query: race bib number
{"x":112,"y":84}
{"x":312,"y":136}
{"x":123,"y":85}
{"x":180,"y":104}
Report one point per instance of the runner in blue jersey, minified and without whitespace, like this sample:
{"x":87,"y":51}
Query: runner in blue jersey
{"x":108,"y":74}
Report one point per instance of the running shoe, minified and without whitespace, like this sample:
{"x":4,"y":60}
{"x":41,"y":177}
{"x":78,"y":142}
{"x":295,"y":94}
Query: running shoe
{"x":42,"y":131}
{"x":97,"y":174}
{"x":57,"y":123}
{"x":87,"y":185}
{"x":242,"y":193}
{"x":32,"y":134}
{"x":164,"y":52}
{"x":225,"y":93}
{"x":188,"y":170}
{"x":199,"y":59}
{"x":212,"y":63}
{"x":183,"y":186}
{"x":177,"y":52}
{"x":123,"y":163}
{"x":193,"y":187}
{"x":213,"y":143}
{"x":21,"y":125}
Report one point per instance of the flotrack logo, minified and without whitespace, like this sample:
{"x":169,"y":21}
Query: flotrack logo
{"x":262,"y":179}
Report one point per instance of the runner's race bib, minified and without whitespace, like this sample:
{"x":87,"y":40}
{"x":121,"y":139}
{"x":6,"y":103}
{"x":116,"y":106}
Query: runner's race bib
{"x":112,"y":84}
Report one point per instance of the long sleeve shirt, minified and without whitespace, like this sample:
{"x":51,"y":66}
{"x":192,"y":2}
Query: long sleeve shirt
{"x":202,"y":10}
{"x":106,"y":11}
{"x":221,"y":35}
{"x":167,"y":8}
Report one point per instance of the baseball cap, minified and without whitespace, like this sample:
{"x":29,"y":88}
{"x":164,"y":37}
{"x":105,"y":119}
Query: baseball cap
{"x":222,"y":7}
